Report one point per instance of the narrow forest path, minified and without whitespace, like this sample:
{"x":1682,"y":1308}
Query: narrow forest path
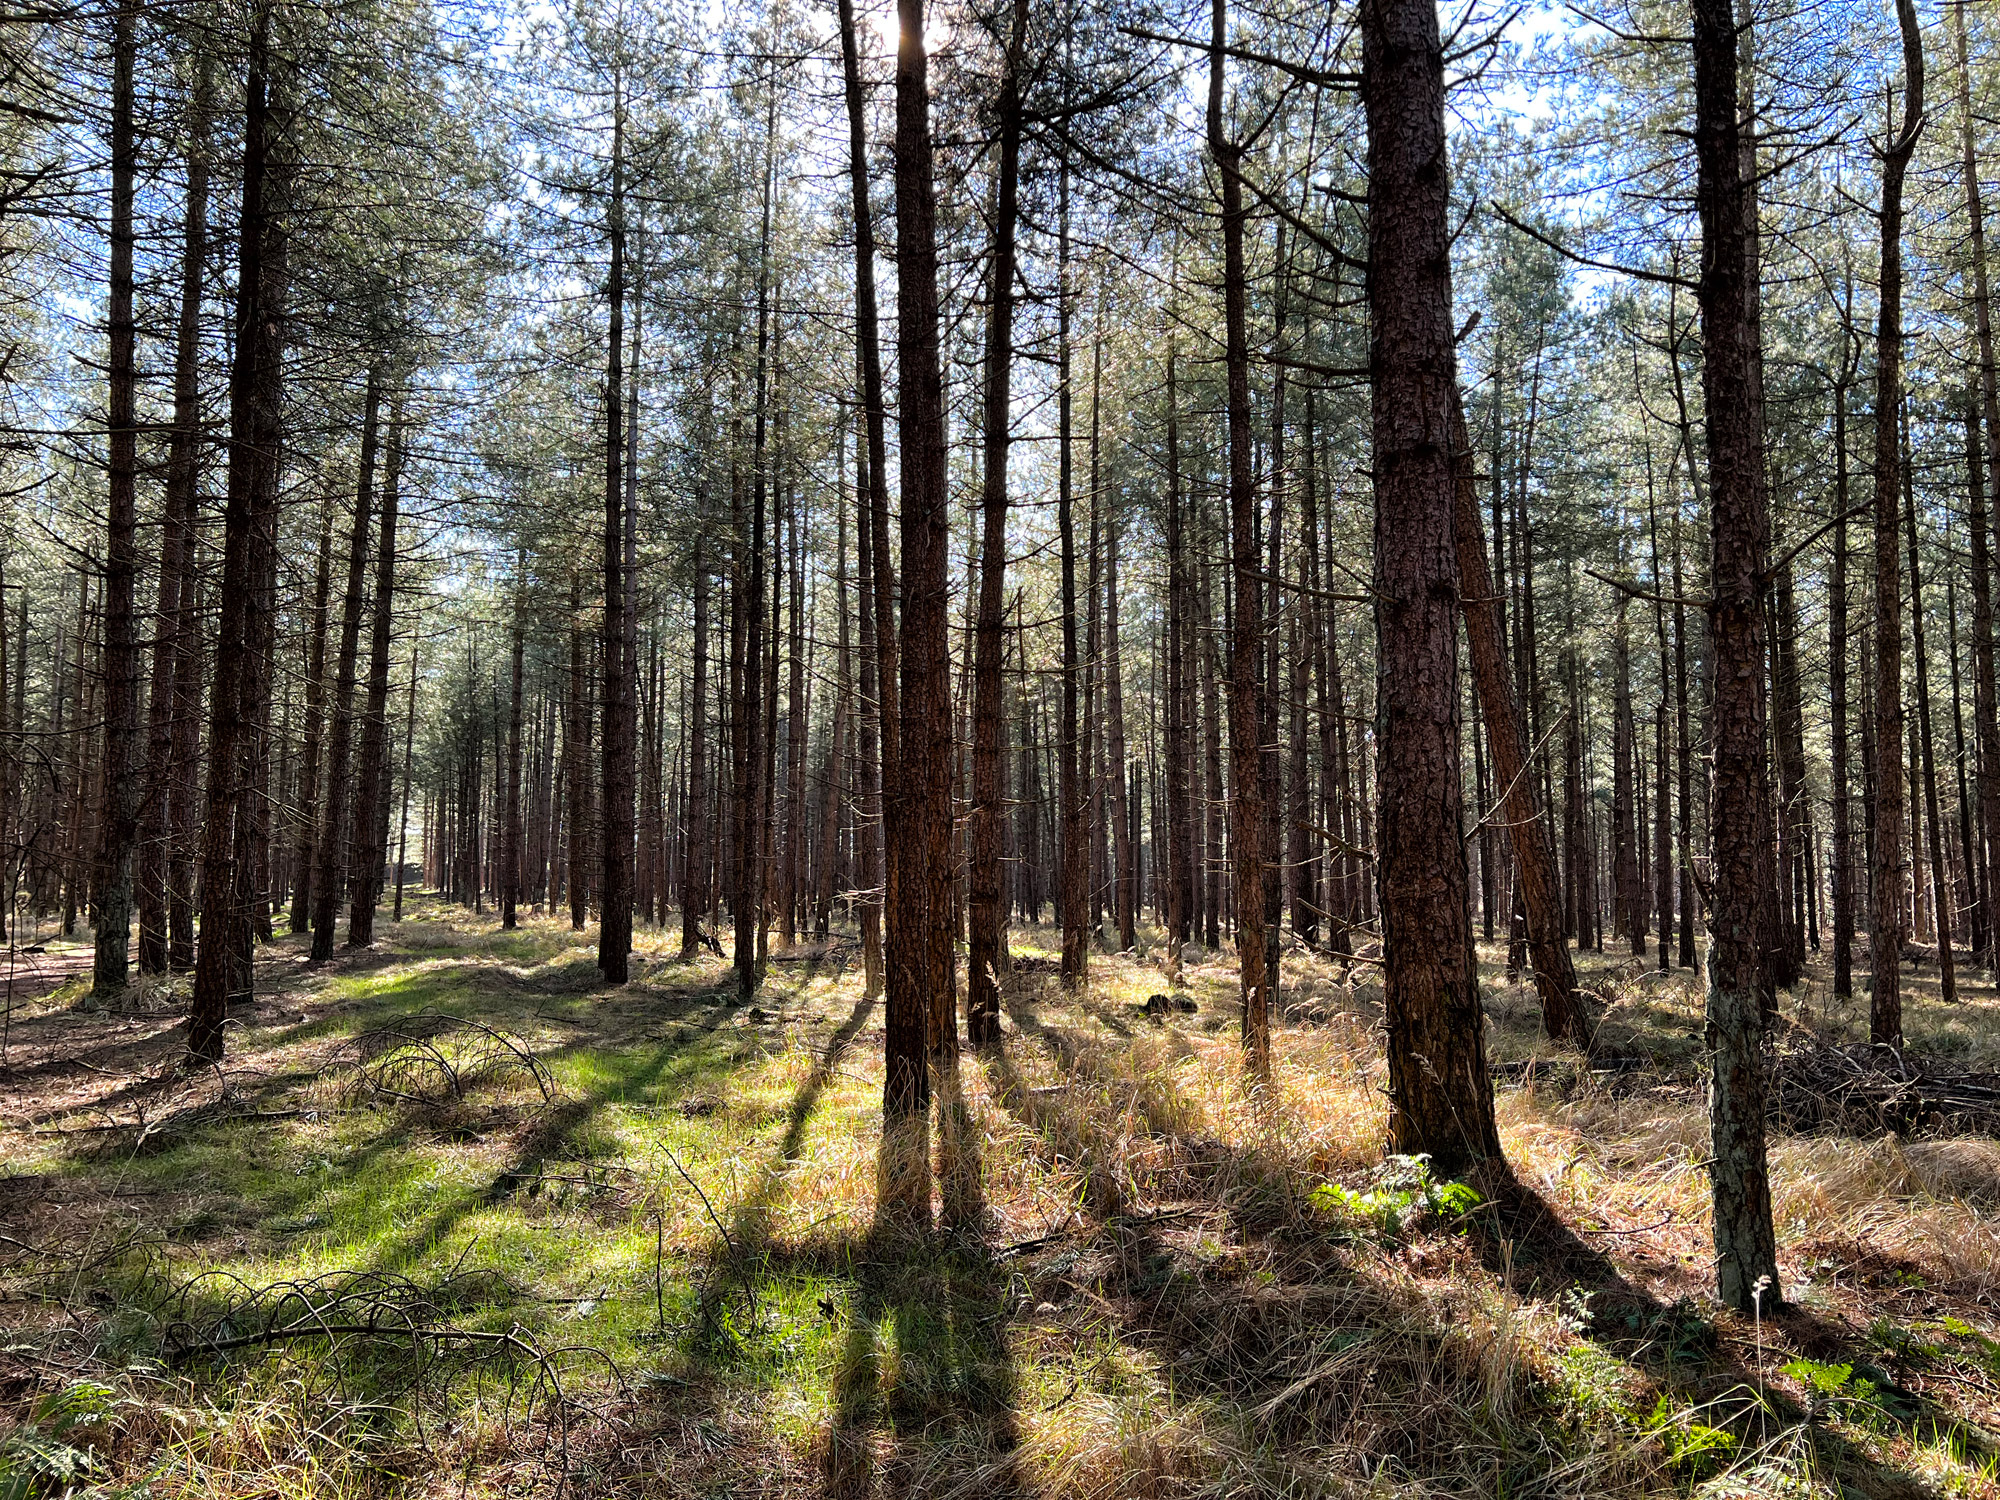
{"x":455,"y":1217}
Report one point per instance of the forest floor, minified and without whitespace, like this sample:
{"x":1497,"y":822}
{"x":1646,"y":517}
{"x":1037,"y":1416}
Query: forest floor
{"x":456,"y":1219}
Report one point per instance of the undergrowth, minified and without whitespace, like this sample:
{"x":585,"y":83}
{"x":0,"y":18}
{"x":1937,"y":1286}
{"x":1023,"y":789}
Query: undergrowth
{"x":455,"y":1219}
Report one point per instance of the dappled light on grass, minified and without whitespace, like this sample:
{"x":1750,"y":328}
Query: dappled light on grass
{"x":653,"y":1261}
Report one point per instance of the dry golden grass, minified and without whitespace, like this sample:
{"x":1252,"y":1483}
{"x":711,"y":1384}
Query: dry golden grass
{"x":1149,"y":1290}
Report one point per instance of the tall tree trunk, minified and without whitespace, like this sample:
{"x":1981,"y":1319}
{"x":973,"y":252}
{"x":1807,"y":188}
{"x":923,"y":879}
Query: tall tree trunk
{"x":834,"y":779}
{"x":1941,"y":902}
{"x":1179,"y":889}
{"x":1683,"y":762}
{"x":750,"y":716}
{"x":868,"y":347}
{"x":1440,"y":1100}
{"x":1663,"y":801}
{"x":614,"y":929}
{"x":1837,"y":675}
{"x":254,"y":831}
{"x":370,"y":823}
{"x":510,"y":858}
{"x":1890,"y":856}
{"x":1987,"y":726}
{"x":1738,"y":971}
{"x":795,"y":732}
{"x":982,"y":1012}
{"x":1308,"y":634}
{"x":256,"y":433}
{"x":334,"y":828}
{"x":922,"y":1002}
{"x":868,"y":821}
{"x":1072,"y":851}
{"x":1630,"y":898}
{"x":1576,"y":834}
{"x":305,"y":851}
{"x":176,"y":639}
{"x":576,"y":761}
{"x":1528,"y":831}
{"x":1968,"y":863}
{"x":1216,"y":810}
{"x":694,"y":861}
{"x":1125,"y":880}
{"x":409,"y":752}
{"x":1246,"y":763}
{"x":1275,"y":870}
{"x":1788,"y":745}
{"x":121,"y":761}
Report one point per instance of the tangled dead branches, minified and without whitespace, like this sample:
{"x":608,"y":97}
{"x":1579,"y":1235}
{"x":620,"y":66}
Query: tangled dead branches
{"x":381,"y":1345}
{"x":1867,"y":1089}
{"x":431,"y":1057}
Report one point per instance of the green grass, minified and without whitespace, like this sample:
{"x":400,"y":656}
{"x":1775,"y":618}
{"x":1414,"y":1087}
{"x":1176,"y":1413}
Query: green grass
{"x":668,"y":1277}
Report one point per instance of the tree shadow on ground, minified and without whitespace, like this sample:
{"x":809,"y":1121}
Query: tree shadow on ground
{"x":1522,"y":1238}
{"x":923,"y":1385}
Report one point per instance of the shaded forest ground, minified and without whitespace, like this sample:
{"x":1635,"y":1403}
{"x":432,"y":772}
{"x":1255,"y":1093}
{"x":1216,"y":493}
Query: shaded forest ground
{"x":623,"y":1242}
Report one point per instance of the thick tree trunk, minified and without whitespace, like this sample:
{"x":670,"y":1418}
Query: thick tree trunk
{"x":256,"y":434}
{"x":163,"y":812}
{"x":614,"y":929}
{"x":989,"y":791}
{"x":922,"y":1002}
{"x":1738,"y":970}
{"x":1890,"y":855}
{"x":1440,"y":1100}
{"x":1246,"y":762}
{"x":121,"y":759}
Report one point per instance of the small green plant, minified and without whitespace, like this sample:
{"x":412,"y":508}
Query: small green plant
{"x":1840,"y":1390}
{"x":1595,"y":1382}
{"x":1402,"y":1192}
{"x":39,"y":1457}
{"x":1693,"y":1446}
{"x":1825,"y":1381}
{"x":1576,"y":1315}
